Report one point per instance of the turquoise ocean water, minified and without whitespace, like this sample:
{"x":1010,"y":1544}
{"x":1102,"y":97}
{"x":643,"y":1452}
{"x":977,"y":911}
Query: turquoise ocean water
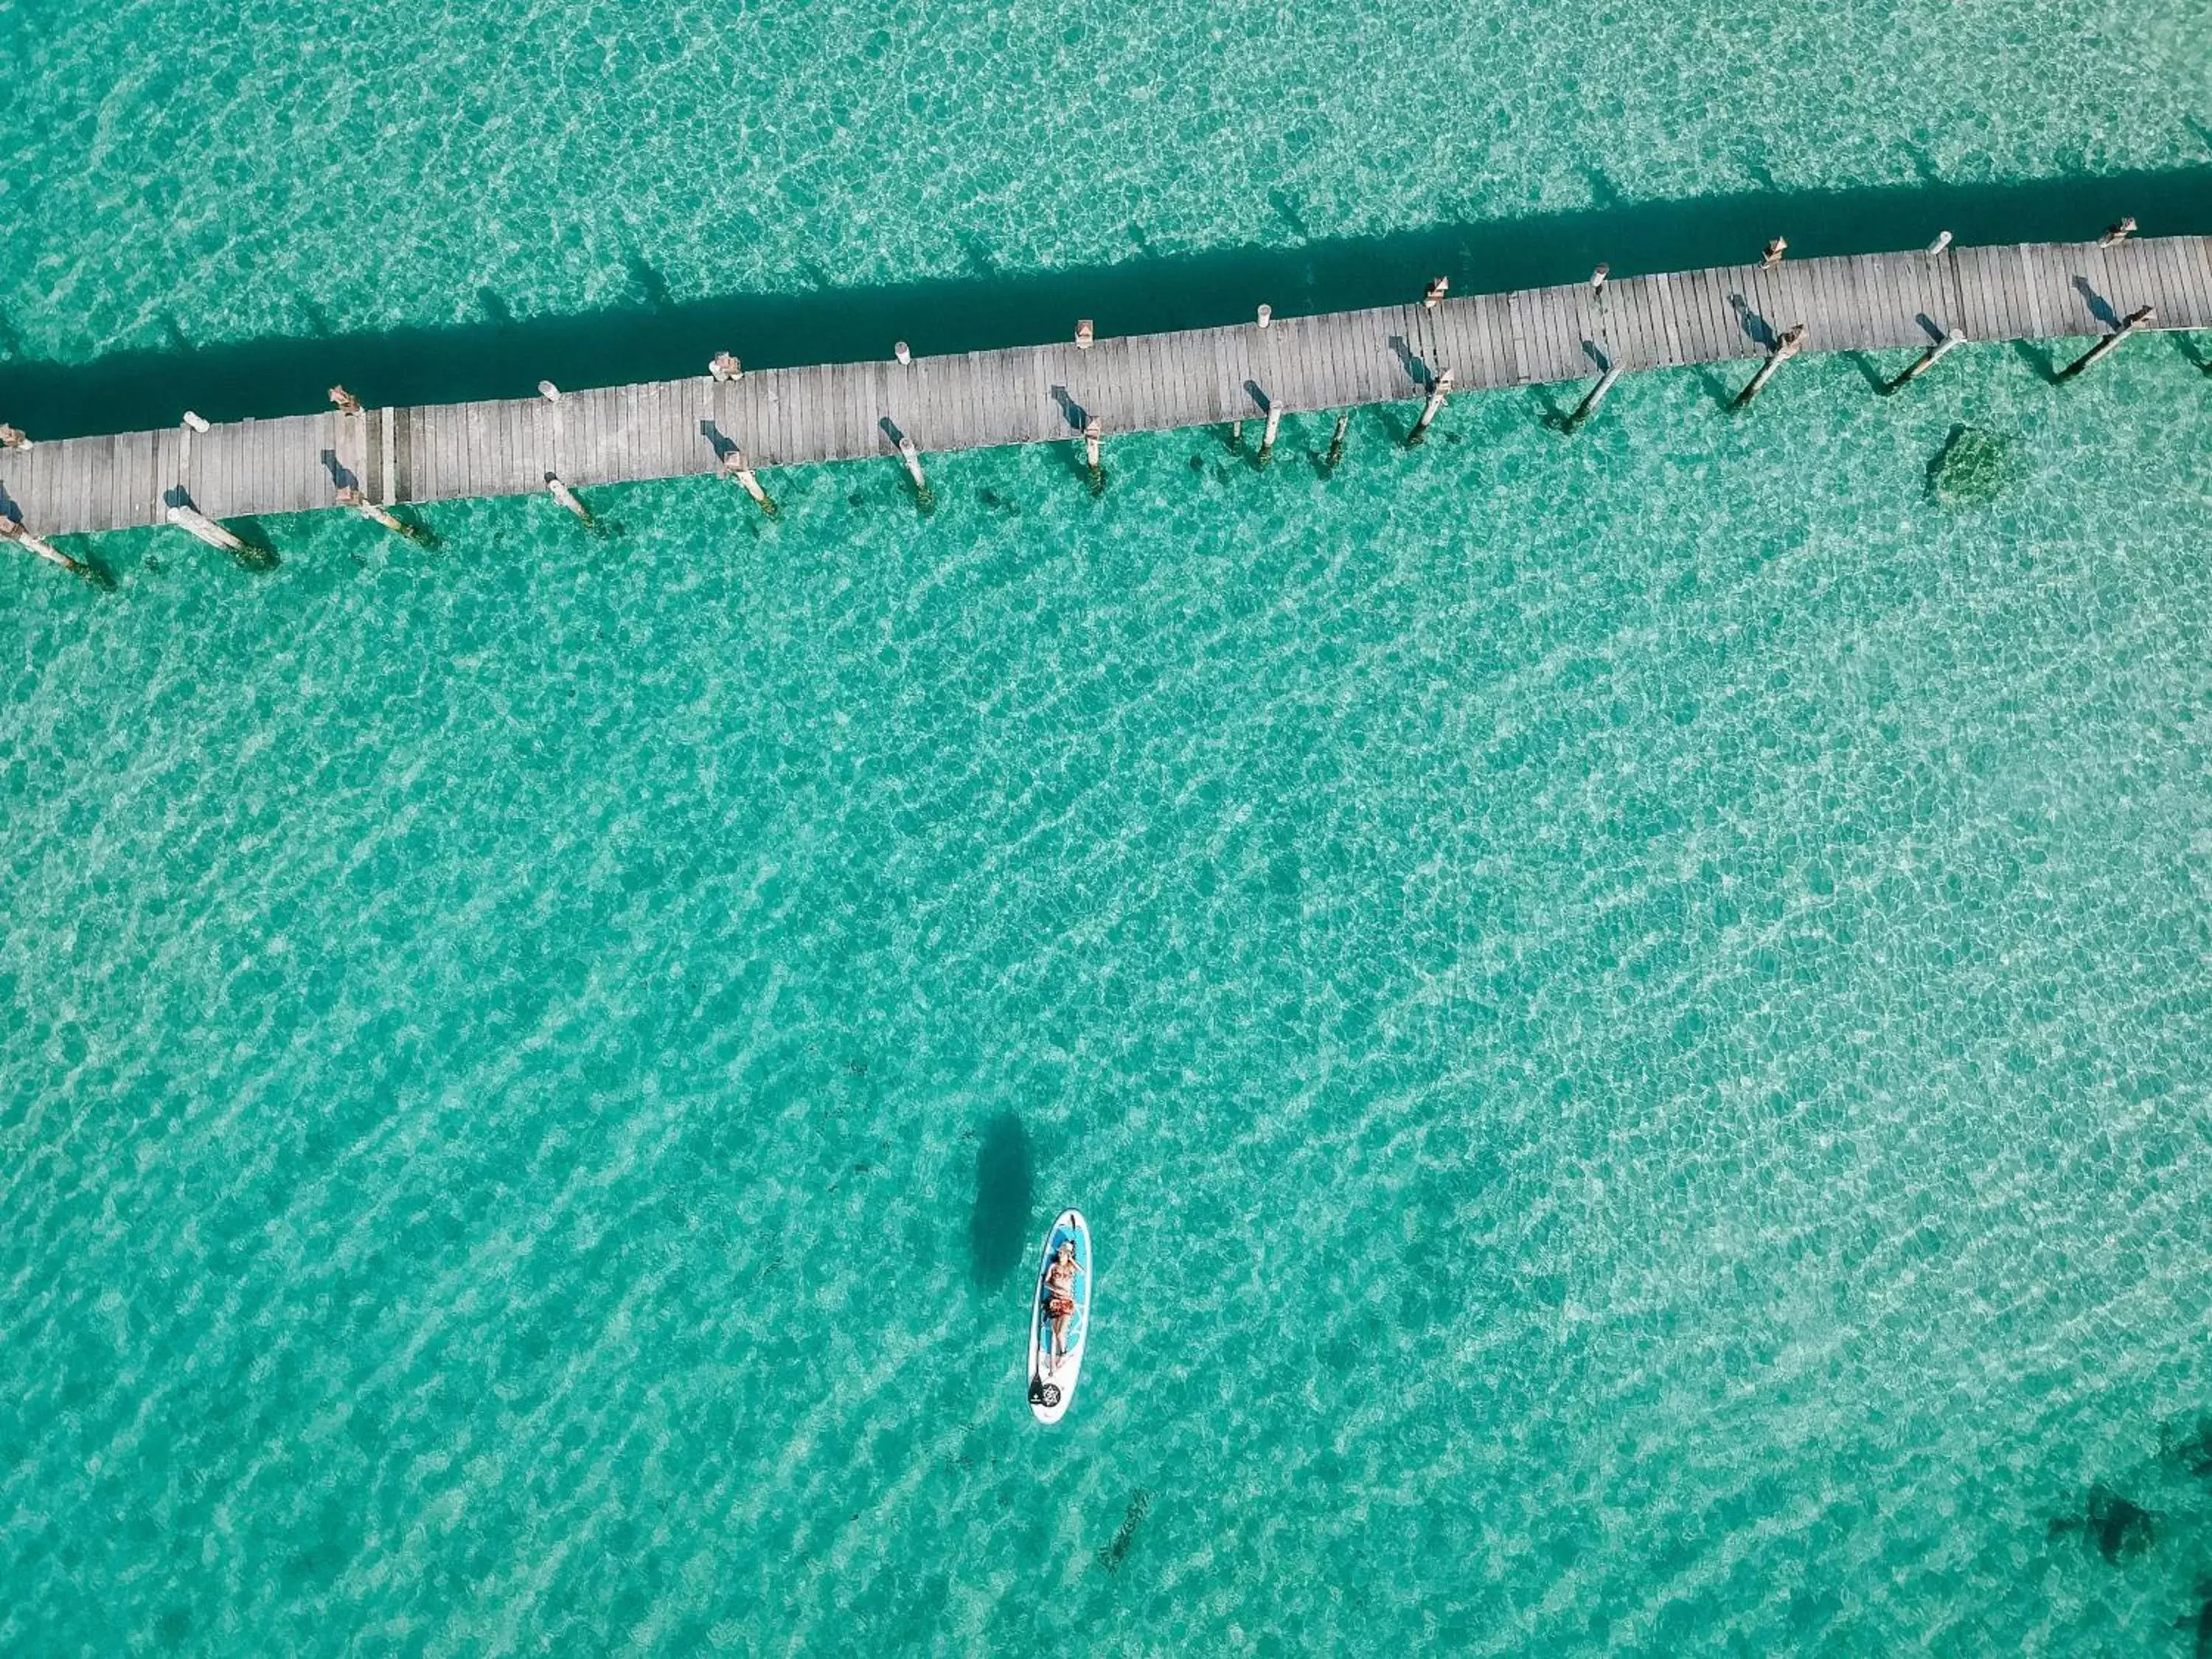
{"x":228,"y":205}
{"x":1630,"y":1014}
{"x":224,"y":171}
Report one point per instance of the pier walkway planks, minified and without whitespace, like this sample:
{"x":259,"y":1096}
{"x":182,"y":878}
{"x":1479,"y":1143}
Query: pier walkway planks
{"x":1037,"y":394}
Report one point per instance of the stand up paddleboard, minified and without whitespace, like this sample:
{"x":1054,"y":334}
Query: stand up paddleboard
{"x":1052,"y":1382}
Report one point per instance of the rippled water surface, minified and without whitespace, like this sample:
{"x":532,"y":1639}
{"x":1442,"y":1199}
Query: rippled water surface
{"x":189,"y":172}
{"x":1630,"y":1016}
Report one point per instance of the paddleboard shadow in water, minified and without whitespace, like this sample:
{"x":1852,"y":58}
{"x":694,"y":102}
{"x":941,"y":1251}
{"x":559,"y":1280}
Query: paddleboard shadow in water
{"x":1004,"y":1200}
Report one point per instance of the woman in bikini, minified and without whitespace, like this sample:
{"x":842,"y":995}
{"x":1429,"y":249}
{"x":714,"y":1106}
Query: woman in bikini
{"x":1059,"y":1300}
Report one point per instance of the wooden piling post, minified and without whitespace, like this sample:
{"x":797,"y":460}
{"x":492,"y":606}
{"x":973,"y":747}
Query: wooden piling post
{"x":1438,"y":389}
{"x":195,"y":423}
{"x":569,"y":498}
{"x":1775,"y":250}
{"x":1267,"y":315}
{"x":733,"y":466}
{"x":902,"y":354}
{"x":344,"y":401}
{"x":1784,"y":349}
{"x":1236,"y":436}
{"x":1928,"y":359}
{"x":1336,"y":440}
{"x":1596,"y":396}
{"x":2115,"y":234}
{"x":725,"y":368}
{"x":1942,"y":241}
{"x":196,"y":523}
{"x":1094,"y":439}
{"x":1597,"y":281}
{"x":1083,"y":334}
{"x":13,"y":437}
{"x":548,"y":390}
{"x":1439,"y":286}
{"x":2110,"y":344}
{"x":12,"y":529}
{"x":1267,"y":435}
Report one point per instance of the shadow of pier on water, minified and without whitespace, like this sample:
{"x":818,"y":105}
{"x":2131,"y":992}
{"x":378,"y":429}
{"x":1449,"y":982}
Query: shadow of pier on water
{"x":654,"y":335}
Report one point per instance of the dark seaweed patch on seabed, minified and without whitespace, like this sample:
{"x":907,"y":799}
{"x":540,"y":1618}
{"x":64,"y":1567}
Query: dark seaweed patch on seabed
{"x":2199,"y":1623}
{"x":2117,"y":1528}
{"x":2189,"y":1448}
{"x":1113,"y":1555}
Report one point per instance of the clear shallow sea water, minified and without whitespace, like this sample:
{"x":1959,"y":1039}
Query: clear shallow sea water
{"x":1630,"y":1016}
{"x":184,"y":173}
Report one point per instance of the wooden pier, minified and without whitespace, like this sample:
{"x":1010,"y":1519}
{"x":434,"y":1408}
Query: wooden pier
{"x":1036,"y":394}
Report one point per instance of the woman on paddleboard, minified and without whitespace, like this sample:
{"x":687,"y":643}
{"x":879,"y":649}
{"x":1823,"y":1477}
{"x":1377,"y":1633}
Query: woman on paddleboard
{"x":1060,"y":1299}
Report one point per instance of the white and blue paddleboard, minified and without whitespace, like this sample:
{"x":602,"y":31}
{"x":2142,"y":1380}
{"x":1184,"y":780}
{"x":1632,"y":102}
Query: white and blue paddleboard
{"x":1051,"y":1381}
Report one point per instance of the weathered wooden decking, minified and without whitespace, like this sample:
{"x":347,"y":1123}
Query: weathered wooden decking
{"x":1035,"y":394}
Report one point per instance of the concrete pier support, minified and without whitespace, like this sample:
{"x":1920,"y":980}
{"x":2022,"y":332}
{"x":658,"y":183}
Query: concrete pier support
{"x":1267,"y":434}
{"x":1596,"y":395}
{"x":349,"y":496}
{"x":734,"y":467}
{"x":195,"y":523}
{"x":13,"y":531}
{"x":2105,"y":347}
{"x":569,"y":498}
{"x":1928,"y":359}
{"x":1787,"y":347}
{"x":1439,"y":389}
